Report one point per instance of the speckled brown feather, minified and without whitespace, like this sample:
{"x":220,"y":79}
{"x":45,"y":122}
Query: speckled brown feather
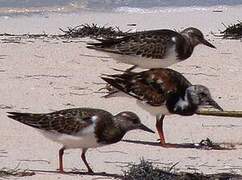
{"x":69,"y":121}
{"x":149,"y":44}
{"x":152,"y":86}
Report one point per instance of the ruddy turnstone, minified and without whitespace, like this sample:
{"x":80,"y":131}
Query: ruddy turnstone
{"x":162,"y":92}
{"x":81,"y":128}
{"x":154,"y":48}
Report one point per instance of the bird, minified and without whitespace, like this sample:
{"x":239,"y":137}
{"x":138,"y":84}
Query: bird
{"x":152,"y":49}
{"x":161,"y":92}
{"x":81,"y":128}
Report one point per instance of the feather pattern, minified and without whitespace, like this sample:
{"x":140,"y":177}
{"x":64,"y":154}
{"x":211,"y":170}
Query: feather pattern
{"x":152,"y":87}
{"x":149,"y":44}
{"x":69,"y":121}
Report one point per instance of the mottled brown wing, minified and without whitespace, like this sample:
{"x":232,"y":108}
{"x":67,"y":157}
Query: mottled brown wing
{"x":152,"y":86}
{"x":69,"y":121}
{"x":149,"y":44}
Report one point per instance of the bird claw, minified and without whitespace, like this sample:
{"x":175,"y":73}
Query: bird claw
{"x":61,"y":171}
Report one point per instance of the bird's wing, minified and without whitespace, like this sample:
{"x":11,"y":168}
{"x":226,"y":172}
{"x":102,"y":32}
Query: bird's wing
{"x":149,"y":44}
{"x":152,"y":86}
{"x":69,"y":121}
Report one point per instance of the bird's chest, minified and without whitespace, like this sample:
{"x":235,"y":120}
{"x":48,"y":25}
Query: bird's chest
{"x":153,"y":110}
{"x":178,"y":105}
{"x":110,"y":136}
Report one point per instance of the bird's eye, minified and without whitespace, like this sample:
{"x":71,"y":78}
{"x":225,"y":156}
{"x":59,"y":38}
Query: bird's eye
{"x":203,"y":94}
{"x":134,"y":120}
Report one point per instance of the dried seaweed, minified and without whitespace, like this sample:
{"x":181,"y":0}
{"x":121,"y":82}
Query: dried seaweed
{"x":207,"y":144}
{"x":93,"y":31}
{"x":81,"y":31}
{"x":145,"y":170}
{"x":5,"y":172}
{"x":233,"y":31}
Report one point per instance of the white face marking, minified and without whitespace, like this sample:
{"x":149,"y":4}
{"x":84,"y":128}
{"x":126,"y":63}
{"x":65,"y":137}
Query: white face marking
{"x":94,"y":119}
{"x":173,"y":39}
{"x":181,"y":104}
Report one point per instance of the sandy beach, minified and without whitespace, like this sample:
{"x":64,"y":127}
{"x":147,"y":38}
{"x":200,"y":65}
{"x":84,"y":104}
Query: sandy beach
{"x":43,"y":75}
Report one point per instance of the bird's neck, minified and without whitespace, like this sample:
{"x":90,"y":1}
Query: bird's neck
{"x":185,"y":49}
{"x":110,"y":133}
{"x":180,"y":104}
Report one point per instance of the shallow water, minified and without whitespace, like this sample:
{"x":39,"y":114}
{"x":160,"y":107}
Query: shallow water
{"x":8,"y":7}
{"x":116,"y":3}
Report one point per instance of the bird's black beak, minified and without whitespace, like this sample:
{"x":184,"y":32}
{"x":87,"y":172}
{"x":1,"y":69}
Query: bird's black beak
{"x":215,"y":105}
{"x":145,"y":128}
{"x":206,"y":43}
{"x":210,"y":104}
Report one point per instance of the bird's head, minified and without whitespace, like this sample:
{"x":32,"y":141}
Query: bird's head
{"x":128,"y":121}
{"x":196,"y":37}
{"x":199,"y":96}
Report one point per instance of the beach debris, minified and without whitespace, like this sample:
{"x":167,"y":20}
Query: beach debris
{"x":145,"y":170}
{"x":6,"y":172}
{"x":93,"y":31}
{"x":80,"y":31}
{"x":234,"y":114}
{"x":207,"y":144}
{"x":233,"y":31}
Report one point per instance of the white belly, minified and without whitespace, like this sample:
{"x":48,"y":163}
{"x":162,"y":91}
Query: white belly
{"x":147,"y":63}
{"x":153,"y":110}
{"x":84,"y":139}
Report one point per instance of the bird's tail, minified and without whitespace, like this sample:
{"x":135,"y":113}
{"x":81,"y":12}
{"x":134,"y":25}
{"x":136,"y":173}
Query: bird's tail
{"x":102,"y":43}
{"x":121,"y":82}
{"x":26,"y":118}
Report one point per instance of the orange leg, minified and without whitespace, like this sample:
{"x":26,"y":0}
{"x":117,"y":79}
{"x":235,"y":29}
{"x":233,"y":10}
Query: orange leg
{"x":61,"y":152}
{"x":85,"y":161}
{"x":159,"y":127}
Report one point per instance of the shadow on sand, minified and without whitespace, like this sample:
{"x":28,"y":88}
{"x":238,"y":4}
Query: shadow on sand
{"x":104,"y":174}
{"x":203,"y":145}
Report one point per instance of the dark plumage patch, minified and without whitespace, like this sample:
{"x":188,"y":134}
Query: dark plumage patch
{"x":152,"y":86}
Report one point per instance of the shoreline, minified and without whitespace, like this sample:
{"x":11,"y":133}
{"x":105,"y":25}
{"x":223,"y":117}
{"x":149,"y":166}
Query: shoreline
{"x":14,"y":12}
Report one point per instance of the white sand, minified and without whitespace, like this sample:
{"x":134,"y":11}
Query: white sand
{"x":46,"y":75}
